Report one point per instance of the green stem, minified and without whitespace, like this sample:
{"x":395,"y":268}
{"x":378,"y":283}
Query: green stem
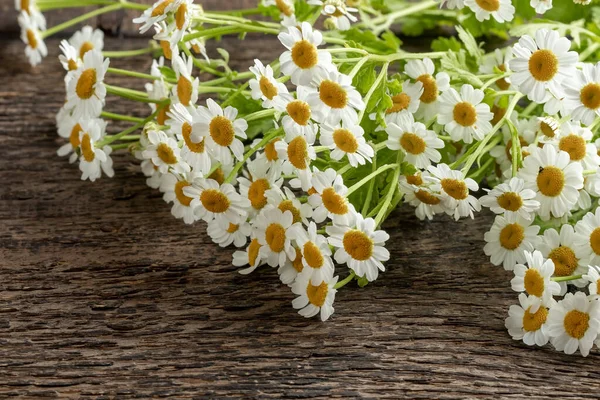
{"x":119,"y":117}
{"x":259,"y":115}
{"x":367,"y":178}
{"x":371,"y":187}
{"x":346,"y":280}
{"x":127,"y":53}
{"x":566,"y":278}
{"x":133,"y":95}
{"x":126,"y":132}
{"x":132,"y":74}
{"x":81,"y":18}
{"x":382,"y":75}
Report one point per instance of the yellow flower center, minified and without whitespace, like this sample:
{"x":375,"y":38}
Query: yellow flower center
{"x":186,"y":131}
{"x":221,"y":130}
{"x":550,"y":181}
{"x":489,"y":5}
{"x":275,"y":237}
{"x":533,"y":282}
{"x":464,"y":114}
{"x":25,"y":6}
{"x":430,"y":88}
{"x":590,"y":95}
{"x":297,"y":262}
{"x":332,"y":94}
{"x":181,"y":197}
{"x":270,"y":151}
{"x":298,"y":152}
{"x":455,"y":188}
{"x":533,"y":321}
{"x":284,"y":7}
{"x":543,"y":65}
{"x":87,"y":149}
{"x":180,"y":16}
{"x":160,"y":9}
{"x":253,"y":249}
{"x":334,"y":202}
{"x":267,"y":88}
{"x":288,"y":205}
{"x":214,"y":201}
{"x":401,"y":102}
{"x":511,"y":236}
{"x":576,"y":323}
{"x":74,"y":136}
{"x":358,"y":245}
{"x":304,"y":54}
{"x":564,"y":260}
{"x":426,"y":197}
{"x":412,"y":143}
{"x":85,"y":47}
{"x":313,"y":255}
{"x":414,"y":179}
{"x":299,"y":111}
{"x":86,"y":83}
{"x":218,"y":175}
{"x":317,"y":294}
{"x":502,"y":83}
{"x":31,"y":39}
{"x":510,"y":201}
{"x":595,"y":241}
{"x":72,"y":65}
{"x":547,"y":130}
{"x":166,"y":154}
{"x":233,"y":228}
{"x":345,"y":140}
{"x":256,"y":193}
{"x":166,"y":48}
{"x":184,"y":90}
{"x":574,"y":145}
{"x":162,"y":116}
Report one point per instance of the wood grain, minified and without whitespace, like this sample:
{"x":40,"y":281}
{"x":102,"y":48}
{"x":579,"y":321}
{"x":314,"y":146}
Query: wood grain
{"x":104,"y":294}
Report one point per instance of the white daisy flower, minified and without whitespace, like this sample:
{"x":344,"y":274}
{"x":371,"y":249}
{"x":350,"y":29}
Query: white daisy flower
{"x":527,"y":130}
{"x":251,"y":257}
{"x":290,"y":270}
{"x":186,"y":90}
{"x":198,"y":46}
{"x":235,"y":233}
{"x":155,"y":14}
{"x":587,"y":238}
{"x":422,"y":71}
{"x":221,"y":131}
{"x":298,"y":153}
{"x":463,"y":115}
{"x":527,"y":321}
{"x":184,"y":124}
{"x":265,"y":86}
{"x":541,"y":64}
{"x":574,"y":323}
{"x":165,"y":153}
{"x":93,"y":161}
{"x":219,"y":202}
{"x":30,"y":35}
{"x":511,"y":198}
{"x":499,"y":59}
{"x":346,"y":141}
{"x":69,"y":128}
{"x":560,"y":248}
{"x":549,"y":128}
{"x":592,"y":278}
{"x":163,"y":36}
{"x":582,"y":94}
{"x":298,"y":113}
{"x":30,"y":8}
{"x":339,"y":14}
{"x":86,"y":91}
{"x":181,"y":22}
{"x":272,"y":229}
{"x":407,"y":100}
{"x":316,"y":254}
{"x":286,"y":7}
{"x":417,"y":142}
{"x":454,"y":188}
{"x":285,"y":200}
{"x":260,"y":178}
{"x":69,"y":58}
{"x":418,"y":194}
{"x":335,"y":99}
{"x":452,"y":4}
{"x":313,"y":300}
{"x":575,"y":140}
{"x":172,"y":185}
{"x":541,"y":6}
{"x":501,"y":10}
{"x":509,"y":239}
{"x":148,"y":168}
{"x":360,"y":246}
{"x":302,"y":61}
{"x":329,"y":199}
{"x":535,"y":277}
{"x":555,"y":180}
{"x":87,"y":39}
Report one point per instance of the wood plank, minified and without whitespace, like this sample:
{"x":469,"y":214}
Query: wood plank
{"x":103,"y":293}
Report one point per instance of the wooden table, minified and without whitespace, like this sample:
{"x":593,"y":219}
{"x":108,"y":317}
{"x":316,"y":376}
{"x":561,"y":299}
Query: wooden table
{"x":104,"y":294}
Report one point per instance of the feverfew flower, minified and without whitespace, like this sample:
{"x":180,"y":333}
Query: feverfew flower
{"x":454,"y":188}
{"x":265,"y":86}
{"x":272,"y":229}
{"x":340,"y":15}
{"x":186,"y":90}
{"x":541,"y":64}
{"x":593,"y":278}
{"x":509,"y":239}
{"x":316,"y":254}
{"x":93,"y":161}
{"x":422,"y":71}
{"x":285,"y":200}
{"x":346,"y":141}
{"x":298,"y":152}
{"x":86,"y":91}
{"x":418,"y":194}
{"x":511,"y":198}
{"x":535,"y":277}
{"x":360,"y":246}
{"x":69,"y":58}
{"x":87,"y":39}
{"x":302,"y":61}
{"x":587,"y":238}
{"x":236,"y":234}
{"x":527,"y":321}
{"x":574,"y":323}
{"x":541,"y":6}
{"x":417,"y":142}
{"x":30,"y":35}
{"x":165,"y":153}
{"x":172,"y":185}
{"x":501,"y":10}
{"x":249,"y":257}
{"x":329,"y":199}
{"x":575,"y":140}
{"x":582,"y":94}
{"x":312,"y":299}
{"x":298,"y":113}
{"x":407,"y":100}
{"x":219,"y":202}
{"x":184,"y":124}
{"x":155,"y":14}
{"x":463,"y":115}
{"x":286,"y":7}
{"x":261,"y":177}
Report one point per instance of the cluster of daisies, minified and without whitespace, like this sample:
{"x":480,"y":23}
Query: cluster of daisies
{"x":308,"y":194}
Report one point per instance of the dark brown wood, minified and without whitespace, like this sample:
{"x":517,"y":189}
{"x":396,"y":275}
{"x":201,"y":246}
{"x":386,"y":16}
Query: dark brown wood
{"x":104,"y":294}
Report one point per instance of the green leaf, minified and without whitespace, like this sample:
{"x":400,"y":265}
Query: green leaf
{"x":445,"y":44}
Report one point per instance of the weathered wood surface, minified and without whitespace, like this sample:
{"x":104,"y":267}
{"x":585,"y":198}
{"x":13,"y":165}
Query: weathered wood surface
{"x":104,"y":294}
